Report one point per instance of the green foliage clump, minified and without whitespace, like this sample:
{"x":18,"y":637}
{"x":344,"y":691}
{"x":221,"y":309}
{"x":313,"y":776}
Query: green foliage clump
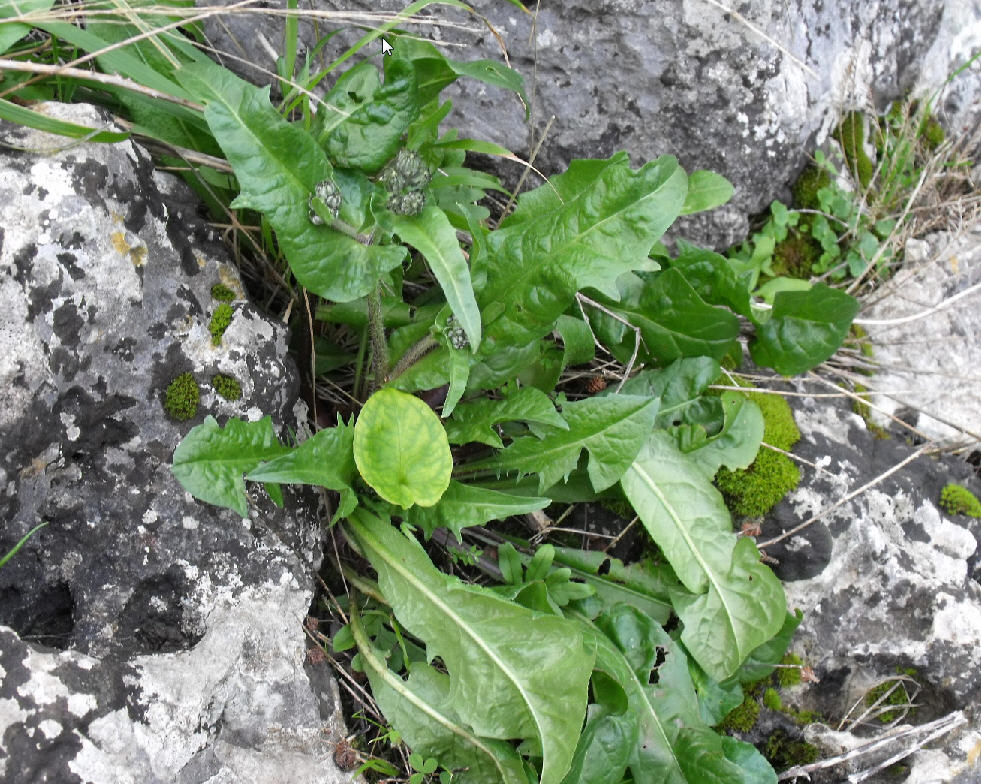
{"x":220,"y":320}
{"x":753,"y":491}
{"x":785,"y":752}
{"x":222,"y":293}
{"x":226,"y":386}
{"x":743,"y":717}
{"x":956,"y":499}
{"x":182,"y":397}
{"x":850,"y":133}
{"x":808,"y":184}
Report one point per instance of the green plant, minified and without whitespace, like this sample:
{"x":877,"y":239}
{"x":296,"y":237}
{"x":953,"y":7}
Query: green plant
{"x":854,"y":207}
{"x":226,"y":386}
{"x":455,"y":336}
{"x":220,"y":320}
{"x":956,"y":499}
{"x":182,"y":397}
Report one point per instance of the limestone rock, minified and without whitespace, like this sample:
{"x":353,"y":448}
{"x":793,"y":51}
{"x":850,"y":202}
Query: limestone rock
{"x":144,"y":637}
{"x":930,"y":352}
{"x":889,"y":585}
{"x":748,"y":95}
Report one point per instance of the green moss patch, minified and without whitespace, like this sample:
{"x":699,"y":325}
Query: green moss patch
{"x":743,"y":717}
{"x":784,"y":752}
{"x":182,"y":397}
{"x":752,"y":492}
{"x":795,"y":256}
{"x":851,"y":135}
{"x":789,"y":674}
{"x":898,"y":697}
{"x":810,"y":181}
{"x":226,"y":386}
{"x":222,"y":293}
{"x":956,"y":499}
{"x":220,"y":320}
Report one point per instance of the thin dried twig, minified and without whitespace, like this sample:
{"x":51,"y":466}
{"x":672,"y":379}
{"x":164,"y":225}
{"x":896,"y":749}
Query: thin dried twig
{"x":904,"y":738}
{"x":884,"y":475}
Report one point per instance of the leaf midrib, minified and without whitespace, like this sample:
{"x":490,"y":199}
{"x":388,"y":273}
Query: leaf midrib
{"x":398,"y":686}
{"x":709,"y":572}
{"x":409,"y":577}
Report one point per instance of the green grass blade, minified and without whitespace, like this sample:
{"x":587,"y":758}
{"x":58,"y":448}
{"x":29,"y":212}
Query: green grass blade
{"x":21,"y":115}
{"x":21,"y":543}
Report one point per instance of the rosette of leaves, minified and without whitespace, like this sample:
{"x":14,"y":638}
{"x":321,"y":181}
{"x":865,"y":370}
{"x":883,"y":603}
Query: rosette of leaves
{"x":565,"y":673}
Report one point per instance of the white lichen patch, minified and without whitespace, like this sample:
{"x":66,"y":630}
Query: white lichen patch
{"x":49,"y":728}
{"x":958,"y":622}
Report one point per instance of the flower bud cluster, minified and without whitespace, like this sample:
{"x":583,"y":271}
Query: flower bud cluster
{"x":456,"y":334}
{"x":405,"y":178}
{"x":330,"y":195}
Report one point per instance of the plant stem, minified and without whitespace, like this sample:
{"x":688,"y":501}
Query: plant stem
{"x":379,"y":347}
{"x":413,"y":355}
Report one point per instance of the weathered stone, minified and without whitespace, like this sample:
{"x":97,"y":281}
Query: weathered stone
{"x":930,"y":365}
{"x":145,"y":637}
{"x":748,"y":95}
{"x":887,"y":582}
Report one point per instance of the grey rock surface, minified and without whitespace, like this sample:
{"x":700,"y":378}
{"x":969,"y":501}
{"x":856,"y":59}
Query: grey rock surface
{"x":929,"y":351}
{"x":144,"y":637}
{"x":746,"y":90}
{"x":886,"y":581}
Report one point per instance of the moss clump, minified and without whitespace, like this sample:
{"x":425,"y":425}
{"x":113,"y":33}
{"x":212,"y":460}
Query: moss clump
{"x":220,"y":320}
{"x":772,"y":700}
{"x":789,"y":675}
{"x":851,"y":135}
{"x":784,"y":751}
{"x":743,"y":717}
{"x":226,"y":386}
{"x":222,"y":293}
{"x":863,"y":409}
{"x":956,"y":499}
{"x":810,"y":181}
{"x":752,"y":492}
{"x":795,"y":256}
{"x":899,"y":697}
{"x":931,"y":133}
{"x":182,"y":397}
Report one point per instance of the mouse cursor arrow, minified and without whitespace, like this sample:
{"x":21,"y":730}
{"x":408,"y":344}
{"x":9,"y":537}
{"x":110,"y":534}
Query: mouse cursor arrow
{"x":386,"y":47}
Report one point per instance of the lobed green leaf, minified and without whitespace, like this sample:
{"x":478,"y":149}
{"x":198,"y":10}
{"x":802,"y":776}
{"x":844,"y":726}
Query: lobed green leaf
{"x":734,"y":603}
{"x":326,"y":460}
{"x":278,"y":166}
{"x":514,"y":674}
{"x":211,"y":461}
{"x":612,"y":429}
{"x":465,"y":505}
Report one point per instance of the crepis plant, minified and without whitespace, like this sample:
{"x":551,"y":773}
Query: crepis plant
{"x":503,"y":314}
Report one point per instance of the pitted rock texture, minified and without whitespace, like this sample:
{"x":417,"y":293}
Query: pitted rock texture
{"x":930,"y":352}
{"x":144,"y":637}
{"x":747,"y":94}
{"x":886,"y":581}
